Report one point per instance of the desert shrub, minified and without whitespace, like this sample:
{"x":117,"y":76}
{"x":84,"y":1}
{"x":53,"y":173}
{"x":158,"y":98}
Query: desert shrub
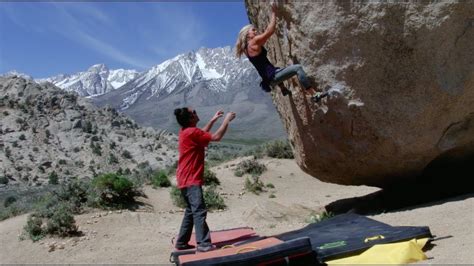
{"x":76,"y":193}
{"x":112,"y":145}
{"x":54,"y":209}
{"x":126,"y":154}
{"x":250,"y":166}
{"x":279,"y":149}
{"x":87,"y":127}
{"x":11,"y":211}
{"x":316,"y":218}
{"x":9,"y":201}
{"x":160,"y":179}
{"x":33,"y":227}
{"x":3,"y":180}
{"x":177,"y":198}
{"x":142,"y":174}
{"x":256,"y":151}
{"x":270,"y":185}
{"x":16,"y":202}
{"x":238,"y":172}
{"x":22,"y":137}
{"x":113,"y":159}
{"x":143,"y":165}
{"x":53,"y":178}
{"x":62,"y":221}
{"x":213,"y":200}
{"x":8,"y":152}
{"x":254,"y":185}
{"x":44,"y":207}
{"x":96,"y":149}
{"x":210,"y":177}
{"x":112,"y":191}
{"x":62,"y":162}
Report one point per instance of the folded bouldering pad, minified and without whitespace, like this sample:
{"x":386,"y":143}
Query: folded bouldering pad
{"x":351,"y":234}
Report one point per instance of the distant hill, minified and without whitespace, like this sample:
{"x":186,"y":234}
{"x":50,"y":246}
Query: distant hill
{"x":48,"y":131}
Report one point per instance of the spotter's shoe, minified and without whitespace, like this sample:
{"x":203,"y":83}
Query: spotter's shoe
{"x":184,"y":247}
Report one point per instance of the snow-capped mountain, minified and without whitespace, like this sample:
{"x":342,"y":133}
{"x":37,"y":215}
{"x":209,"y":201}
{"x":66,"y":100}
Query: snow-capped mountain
{"x":97,"y":80}
{"x":218,"y":67}
{"x":206,"y":79}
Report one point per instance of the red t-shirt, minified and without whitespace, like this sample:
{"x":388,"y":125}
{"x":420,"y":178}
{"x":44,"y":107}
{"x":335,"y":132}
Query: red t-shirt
{"x":191,"y":145}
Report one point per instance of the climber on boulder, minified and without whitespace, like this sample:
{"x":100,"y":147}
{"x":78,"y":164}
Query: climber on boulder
{"x":250,"y":43}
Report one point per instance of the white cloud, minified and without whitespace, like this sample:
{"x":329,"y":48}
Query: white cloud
{"x":109,"y":50}
{"x":15,"y":17}
{"x":177,"y":29}
{"x":76,"y":30}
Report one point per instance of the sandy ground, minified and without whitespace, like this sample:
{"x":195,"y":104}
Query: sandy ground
{"x":143,"y":237}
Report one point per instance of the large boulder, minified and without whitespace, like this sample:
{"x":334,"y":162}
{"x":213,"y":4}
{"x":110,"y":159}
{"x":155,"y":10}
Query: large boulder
{"x":401,"y":82}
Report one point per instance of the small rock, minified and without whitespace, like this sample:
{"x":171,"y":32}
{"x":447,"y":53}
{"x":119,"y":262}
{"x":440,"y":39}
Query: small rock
{"x":52,"y":247}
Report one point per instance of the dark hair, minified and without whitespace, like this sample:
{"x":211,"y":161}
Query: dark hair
{"x":182,"y":116}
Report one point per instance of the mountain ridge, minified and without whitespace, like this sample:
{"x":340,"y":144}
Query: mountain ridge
{"x":207,"y":79}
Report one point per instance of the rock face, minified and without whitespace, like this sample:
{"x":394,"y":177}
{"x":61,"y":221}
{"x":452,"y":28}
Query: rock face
{"x":401,"y":81}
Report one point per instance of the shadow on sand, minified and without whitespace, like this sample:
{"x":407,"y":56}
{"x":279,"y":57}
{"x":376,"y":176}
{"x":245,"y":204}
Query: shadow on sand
{"x":442,"y":181}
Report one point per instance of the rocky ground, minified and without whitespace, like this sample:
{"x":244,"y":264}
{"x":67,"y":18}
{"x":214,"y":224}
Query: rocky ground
{"x":144,"y":236}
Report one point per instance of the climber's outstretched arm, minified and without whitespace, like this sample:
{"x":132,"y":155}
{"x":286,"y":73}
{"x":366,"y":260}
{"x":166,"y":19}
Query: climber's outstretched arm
{"x":262,"y":38}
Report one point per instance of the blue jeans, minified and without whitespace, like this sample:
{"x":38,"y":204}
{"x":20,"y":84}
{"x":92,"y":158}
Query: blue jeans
{"x":195,"y":214}
{"x":283,"y":74}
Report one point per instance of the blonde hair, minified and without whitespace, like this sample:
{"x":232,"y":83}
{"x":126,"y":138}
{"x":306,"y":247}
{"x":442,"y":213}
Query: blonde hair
{"x":241,"y":43}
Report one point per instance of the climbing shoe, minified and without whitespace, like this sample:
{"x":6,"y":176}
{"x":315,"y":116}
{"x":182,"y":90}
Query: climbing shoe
{"x":318,"y":96}
{"x":285,"y":91}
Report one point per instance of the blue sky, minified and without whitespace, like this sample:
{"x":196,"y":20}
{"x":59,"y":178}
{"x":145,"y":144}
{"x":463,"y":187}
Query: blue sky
{"x":43,"y":39}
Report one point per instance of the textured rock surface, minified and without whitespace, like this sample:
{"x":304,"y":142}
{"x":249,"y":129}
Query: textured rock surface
{"x":44,"y":129}
{"x":402,"y":85}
